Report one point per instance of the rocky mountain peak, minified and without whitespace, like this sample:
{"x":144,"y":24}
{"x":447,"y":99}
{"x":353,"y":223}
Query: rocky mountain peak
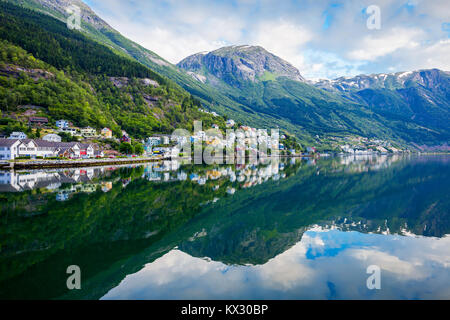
{"x":87,"y":14}
{"x":429,"y":78}
{"x":236,"y":64}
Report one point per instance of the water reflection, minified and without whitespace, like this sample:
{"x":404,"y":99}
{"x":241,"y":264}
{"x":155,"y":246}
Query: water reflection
{"x":273,"y":230}
{"x":325,"y":264}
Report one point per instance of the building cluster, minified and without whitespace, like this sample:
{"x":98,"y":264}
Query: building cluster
{"x":357,"y":145}
{"x":86,"y":132}
{"x":244,"y":139}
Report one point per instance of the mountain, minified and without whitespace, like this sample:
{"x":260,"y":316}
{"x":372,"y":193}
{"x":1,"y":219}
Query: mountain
{"x":420,"y":96}
{"x":211,"y":97}
{"x":408,"y":108}
{"x":255,"y":87}
{"x":98,"y":30}
{"x":432,"y":79}
{"x":64,"y":74}
{"x":239,"y":64}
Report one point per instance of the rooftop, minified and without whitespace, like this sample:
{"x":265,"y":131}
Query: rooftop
{"x":7,"y":142}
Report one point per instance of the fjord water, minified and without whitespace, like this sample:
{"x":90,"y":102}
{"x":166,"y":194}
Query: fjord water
{"x":289,"y":229}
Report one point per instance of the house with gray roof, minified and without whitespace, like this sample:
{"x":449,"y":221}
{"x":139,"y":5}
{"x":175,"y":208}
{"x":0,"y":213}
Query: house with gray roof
{"x":9,"y":148}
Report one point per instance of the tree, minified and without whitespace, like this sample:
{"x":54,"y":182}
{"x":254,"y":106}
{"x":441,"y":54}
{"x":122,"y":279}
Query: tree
{"x":126,"y":147}
{"x":138,"y":149}
{"x":67,"y":137}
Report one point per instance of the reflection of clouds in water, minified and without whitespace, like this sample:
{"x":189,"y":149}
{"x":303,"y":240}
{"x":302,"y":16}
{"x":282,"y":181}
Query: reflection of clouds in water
{"x":325,"y":264}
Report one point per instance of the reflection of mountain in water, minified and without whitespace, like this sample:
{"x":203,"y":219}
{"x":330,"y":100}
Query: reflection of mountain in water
{"x":409,"y":197}
{"x":112,"y":234}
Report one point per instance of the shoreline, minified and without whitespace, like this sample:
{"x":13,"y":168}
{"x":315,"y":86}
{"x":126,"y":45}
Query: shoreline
{"x":54,"y":164}
{"x":50,"y":164}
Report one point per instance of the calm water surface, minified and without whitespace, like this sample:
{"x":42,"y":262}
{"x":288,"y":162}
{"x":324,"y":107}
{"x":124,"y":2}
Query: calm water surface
{"x":291,"y":229}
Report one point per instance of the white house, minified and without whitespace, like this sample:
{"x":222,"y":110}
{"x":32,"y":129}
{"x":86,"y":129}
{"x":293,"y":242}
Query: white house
{"x":28,"y":148}
{"x":175,"y":152}
{"x":71,"y":131}
{"x":9,"y":148}
{"x":201,"y":135}
{"x":153,"y":141}
{"x":17,"y":135}
{"x":181,"y":140}
{"x":99,"y":154}
{"x":88,"y":132}
{"x":86,"y":150}
{"x":62,"y":124}
{"x":230,"y":123}
{"x":47,"y":149}
{"x":165,"y":140}
{"x":52,"y":137}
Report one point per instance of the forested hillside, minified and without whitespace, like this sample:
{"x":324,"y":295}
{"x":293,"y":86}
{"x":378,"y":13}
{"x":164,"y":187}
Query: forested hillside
{"x":44,"y":64}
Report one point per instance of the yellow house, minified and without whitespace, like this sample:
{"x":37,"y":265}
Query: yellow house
{"x":106,"y":133}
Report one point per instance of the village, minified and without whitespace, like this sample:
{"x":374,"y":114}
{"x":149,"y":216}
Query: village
{"x":62,"y":140}
{"x":88,"y":142}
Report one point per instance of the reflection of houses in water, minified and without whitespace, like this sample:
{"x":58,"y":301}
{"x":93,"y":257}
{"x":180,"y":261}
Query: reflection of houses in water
{"x":125,"y":182}
{"x":166,"y":176}
{"x":154,"y":176}
{"x":165,"y":166}
{"x":69,"y":181}
{"x":87,"y":187}
{"x":62,"y":196}
{"x":364,"y":163}
{"x":13,"y":181}
{"x":182,"y":176}
{"x":231,"y":191}
{"x":106,"y":186}
{"x":160,"y":171}
{"x":151,"y":175}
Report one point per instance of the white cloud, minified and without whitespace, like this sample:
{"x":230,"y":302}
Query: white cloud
{"x":373,"y":47}
{"x":435,"y":56}
{"x":284,"y":39}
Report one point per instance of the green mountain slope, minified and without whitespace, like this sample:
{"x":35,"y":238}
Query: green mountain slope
{"x":247,"y":74}
{"x":98,"y":30}
{"x":68,"y":75}
{"x":212,"y":97}
{"x":419,"y":96}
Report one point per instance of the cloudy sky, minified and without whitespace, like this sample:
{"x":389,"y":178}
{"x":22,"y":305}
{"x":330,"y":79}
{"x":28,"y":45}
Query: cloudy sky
{"x":324,"y":39}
